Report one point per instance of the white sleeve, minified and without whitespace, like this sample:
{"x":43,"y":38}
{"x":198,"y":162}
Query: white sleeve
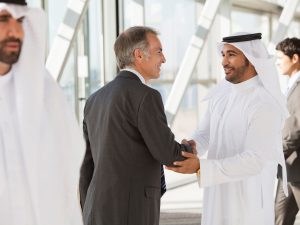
{"x":260,"y":147}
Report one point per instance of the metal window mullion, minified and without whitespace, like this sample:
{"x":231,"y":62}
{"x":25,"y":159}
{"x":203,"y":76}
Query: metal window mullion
{"x":67,"y":31}
{"x":284,"y":22}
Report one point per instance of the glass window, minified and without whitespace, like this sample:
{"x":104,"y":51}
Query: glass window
{"x":55,"y":16}
{"x":67,"y":81}
{"x":95,"y":46}
{"x":251,"y":22}
{"x":176,"y":31}
{"x":85,"y":50}
{"x":35,"y":3}
{"x":294,"y":29}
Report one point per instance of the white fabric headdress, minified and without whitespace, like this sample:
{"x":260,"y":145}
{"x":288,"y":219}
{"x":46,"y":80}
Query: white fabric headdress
{"x":257,"y":54}
{"x":51,"y":142}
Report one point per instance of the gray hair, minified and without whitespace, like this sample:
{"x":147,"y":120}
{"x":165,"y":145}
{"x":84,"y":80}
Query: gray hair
{"x":131,"y":39}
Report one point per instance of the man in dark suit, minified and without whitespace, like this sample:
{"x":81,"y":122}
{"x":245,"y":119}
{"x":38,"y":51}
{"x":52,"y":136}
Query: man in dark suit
{"x":288,"y":61}
{"x":127,"y":138}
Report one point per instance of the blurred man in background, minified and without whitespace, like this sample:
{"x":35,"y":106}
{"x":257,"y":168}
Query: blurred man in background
{"x":288,"y":61}
{"x":41,"y":146}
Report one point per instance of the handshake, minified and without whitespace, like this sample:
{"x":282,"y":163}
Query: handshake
{"x":191,"y":163}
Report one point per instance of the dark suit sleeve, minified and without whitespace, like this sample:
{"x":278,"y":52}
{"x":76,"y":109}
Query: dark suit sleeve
{"x":87,"y":168}
{"x":152,"y":124}
{"x":291,"y":133}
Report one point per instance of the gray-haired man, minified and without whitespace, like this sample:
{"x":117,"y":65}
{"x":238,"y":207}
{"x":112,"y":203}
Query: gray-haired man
{"x":127,"y":138}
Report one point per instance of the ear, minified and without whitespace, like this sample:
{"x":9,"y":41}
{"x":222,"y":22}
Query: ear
{"x":295,"y":58}
{"x":138,"y":54}
{"x":251,"y":65}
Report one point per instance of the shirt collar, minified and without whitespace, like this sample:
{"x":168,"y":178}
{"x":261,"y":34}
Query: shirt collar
{"x":136,"y":73}
{"x":293,"y":79}
{"x":254,"y":81}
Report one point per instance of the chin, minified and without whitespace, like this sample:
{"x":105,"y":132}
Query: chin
{"x":156,"y":76}
{"x":231,"y":80}
{"x":227,"y":78}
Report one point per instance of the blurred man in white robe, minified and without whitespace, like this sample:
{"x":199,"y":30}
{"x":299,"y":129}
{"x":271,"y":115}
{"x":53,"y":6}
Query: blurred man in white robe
{"x":41,"y":147}
{"x":241,"y":133}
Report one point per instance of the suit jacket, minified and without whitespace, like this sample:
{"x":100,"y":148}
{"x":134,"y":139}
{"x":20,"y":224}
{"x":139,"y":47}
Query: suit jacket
{"x":127,"y":139}
{"x":291,"y":134}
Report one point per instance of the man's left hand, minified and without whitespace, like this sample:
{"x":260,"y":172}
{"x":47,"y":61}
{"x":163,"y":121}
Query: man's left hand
{"x":188,"y":166}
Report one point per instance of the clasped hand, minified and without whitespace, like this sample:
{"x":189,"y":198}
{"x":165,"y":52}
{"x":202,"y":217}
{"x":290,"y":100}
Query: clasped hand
{"x":192,"y":162}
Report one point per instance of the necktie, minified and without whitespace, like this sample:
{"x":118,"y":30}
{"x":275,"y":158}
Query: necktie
{"x":163,"y":188}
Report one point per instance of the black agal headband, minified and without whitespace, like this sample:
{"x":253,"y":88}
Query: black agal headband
{"x":240,"y":38}
{"x":18,"y":2}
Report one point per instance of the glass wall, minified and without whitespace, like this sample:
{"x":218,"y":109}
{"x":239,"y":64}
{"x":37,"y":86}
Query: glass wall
{"x":34,"y":3}
{"x":95,"y":47}
{"x":83,"y":69}
{"x":176,"y":31}
{"x":251,"y":21}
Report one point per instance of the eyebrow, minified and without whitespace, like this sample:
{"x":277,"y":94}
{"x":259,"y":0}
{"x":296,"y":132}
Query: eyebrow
{"x":229,"y":51}
{"x":8,"y":16}
{"x":157,"y":49}
{"x":5,"y":13}
{"x":21,"y":18}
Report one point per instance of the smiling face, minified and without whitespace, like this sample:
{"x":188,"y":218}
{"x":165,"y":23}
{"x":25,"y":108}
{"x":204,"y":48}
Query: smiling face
{"x":11,"y":37}
{"x":236,"y":66}
{"x":148,"y":62}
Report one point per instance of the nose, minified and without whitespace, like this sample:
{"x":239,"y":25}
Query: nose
{"x":15,"y":28}
{"x":224,"y":61}
{"x":163,"y":59}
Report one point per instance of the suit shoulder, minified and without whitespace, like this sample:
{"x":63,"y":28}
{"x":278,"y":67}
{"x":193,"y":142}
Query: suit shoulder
{"x":101,"y":89}
{"x":93,"y":97}
{"x":296,"y":90}
{"x":135,"y":86}
{"x":151,"y":93}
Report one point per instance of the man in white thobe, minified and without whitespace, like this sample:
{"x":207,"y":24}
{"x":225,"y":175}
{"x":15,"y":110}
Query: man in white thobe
{"x":41,"y":146}
{"x":241,"y":132}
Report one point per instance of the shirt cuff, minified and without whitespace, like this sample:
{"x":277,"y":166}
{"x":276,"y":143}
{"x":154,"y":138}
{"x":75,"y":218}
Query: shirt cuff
{"x":205,"y":177}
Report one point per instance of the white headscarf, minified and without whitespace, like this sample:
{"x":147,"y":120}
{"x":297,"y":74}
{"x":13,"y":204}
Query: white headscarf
{"x":257,"y":54}
{"x":51,"y":142}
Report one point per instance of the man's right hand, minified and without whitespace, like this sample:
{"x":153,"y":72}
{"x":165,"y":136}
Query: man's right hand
{"x":188,"y":166}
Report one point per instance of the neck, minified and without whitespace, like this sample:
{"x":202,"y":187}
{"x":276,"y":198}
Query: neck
{"x":296,"y":70}
{"x":250,"y":76}
{"x":250,"y":73}
{"x":4,"y":68}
